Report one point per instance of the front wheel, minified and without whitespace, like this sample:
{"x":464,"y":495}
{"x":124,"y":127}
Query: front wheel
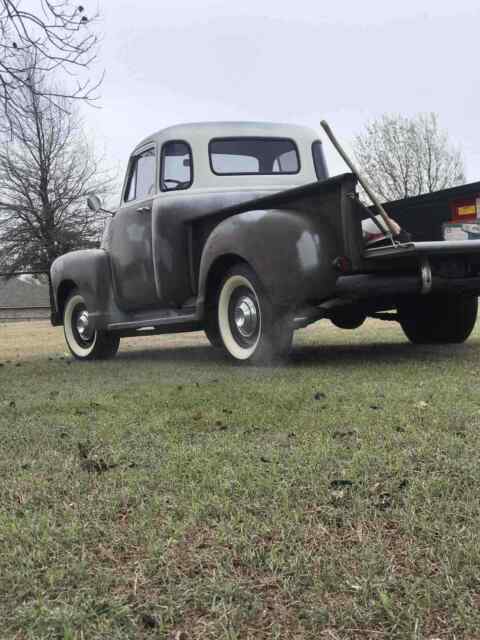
{"x":211,"y":328}
{"x":251,"y":329}
{"x":84,"y":342}
{"x":437,"y":319}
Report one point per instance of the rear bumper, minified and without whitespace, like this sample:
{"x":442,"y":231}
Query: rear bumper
{"x":435,"y":248}
{"x":374,"y":286}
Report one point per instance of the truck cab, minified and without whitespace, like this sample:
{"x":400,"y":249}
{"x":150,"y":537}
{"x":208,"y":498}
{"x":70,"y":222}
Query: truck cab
{"x":179,"y":175}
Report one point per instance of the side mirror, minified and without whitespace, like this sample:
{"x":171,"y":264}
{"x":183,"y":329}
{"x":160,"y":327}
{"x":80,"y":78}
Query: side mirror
{"x":94,"y":203}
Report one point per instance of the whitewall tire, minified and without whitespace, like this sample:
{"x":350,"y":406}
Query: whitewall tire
{"x":239,"y":317}
{"x":250,"y":328}
{"x":84,"y":342}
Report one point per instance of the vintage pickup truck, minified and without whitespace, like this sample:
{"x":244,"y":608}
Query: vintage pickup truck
{"x":236,"y":229}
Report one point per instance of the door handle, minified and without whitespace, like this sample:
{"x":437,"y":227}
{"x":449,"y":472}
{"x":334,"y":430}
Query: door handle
{"x":144,"y":209}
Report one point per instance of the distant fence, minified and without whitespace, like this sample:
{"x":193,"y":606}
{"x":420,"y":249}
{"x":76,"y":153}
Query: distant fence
{"x":24,"y":295}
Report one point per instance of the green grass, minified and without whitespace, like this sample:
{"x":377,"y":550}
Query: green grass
{"x":336,"y":497}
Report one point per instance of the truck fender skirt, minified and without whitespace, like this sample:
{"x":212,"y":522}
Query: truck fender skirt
{"x":374,"y":286}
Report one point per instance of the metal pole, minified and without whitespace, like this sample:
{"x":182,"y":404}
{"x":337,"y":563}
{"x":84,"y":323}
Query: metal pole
{"x":361,"y":179}
{"x":373,"y":218}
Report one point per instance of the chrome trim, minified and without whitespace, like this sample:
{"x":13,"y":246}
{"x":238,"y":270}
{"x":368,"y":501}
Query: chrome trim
{"x":82,"y":326}
{"x":246,"y":317}
{"x":156,"y":322}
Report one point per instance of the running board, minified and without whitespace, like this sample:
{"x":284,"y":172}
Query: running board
{"x":152,"y":324}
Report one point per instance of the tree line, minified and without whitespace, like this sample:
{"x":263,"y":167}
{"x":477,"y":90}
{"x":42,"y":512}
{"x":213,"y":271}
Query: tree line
{"x":403,"y":157}
{"x":47,"y":165}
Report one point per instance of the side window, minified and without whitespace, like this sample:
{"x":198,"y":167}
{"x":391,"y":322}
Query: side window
{"x":141,"y":180}
{"x":177,"y":166}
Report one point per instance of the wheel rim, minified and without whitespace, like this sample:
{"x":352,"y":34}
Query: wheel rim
{"x":244,"y":316}
{"x":239,"y":317}
{"x":81,"y":325}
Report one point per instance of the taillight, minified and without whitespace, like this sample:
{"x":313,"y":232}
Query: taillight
{"x":466,"y":209}
{"x":342,"y":264}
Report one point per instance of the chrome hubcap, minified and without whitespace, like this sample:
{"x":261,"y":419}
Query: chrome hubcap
{"x":82,"y":326}
{"x":246,"y":317}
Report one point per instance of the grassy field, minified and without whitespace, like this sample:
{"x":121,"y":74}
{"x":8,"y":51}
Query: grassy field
{"x":170,"y":494}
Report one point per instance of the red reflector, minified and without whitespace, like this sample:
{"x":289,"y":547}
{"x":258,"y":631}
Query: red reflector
{"x":466,"y":209}
{"x":342,"y":263}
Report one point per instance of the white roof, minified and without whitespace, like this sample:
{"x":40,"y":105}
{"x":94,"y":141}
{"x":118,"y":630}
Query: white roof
{"x":199,"y":134}
{"x":207,"y":130}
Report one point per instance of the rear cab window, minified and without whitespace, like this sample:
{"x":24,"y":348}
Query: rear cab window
{"x":253,"y":156}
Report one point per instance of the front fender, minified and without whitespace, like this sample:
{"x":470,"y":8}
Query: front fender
{"x":291,"y":252}
{"x":89,"y":271}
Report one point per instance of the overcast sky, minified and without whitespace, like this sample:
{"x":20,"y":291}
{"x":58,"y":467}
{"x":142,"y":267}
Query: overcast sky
{"x":172,"y":61}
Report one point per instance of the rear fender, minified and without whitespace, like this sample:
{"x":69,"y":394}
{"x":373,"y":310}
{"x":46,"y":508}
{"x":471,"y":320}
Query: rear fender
{"x":290,"y":251}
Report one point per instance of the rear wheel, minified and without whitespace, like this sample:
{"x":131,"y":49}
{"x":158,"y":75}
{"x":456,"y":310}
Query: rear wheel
{"x":250,"y":327}
{"x":437,"y":319}
{"x":84,"y":342}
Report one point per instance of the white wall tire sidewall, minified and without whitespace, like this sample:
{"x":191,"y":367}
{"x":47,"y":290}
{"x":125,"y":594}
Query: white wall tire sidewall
{"x":77,"y":349}
{"x":230,"y":344}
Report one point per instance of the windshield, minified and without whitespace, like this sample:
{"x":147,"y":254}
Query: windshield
{"x":262,"y":156}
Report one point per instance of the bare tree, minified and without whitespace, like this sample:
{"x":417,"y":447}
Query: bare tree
{"x":403,"y":157}
{"x":47,"y":169}
{"x":54,"y":37}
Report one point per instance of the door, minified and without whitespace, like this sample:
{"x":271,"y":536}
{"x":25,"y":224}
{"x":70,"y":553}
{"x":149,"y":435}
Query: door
{"x":131,"y":240}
